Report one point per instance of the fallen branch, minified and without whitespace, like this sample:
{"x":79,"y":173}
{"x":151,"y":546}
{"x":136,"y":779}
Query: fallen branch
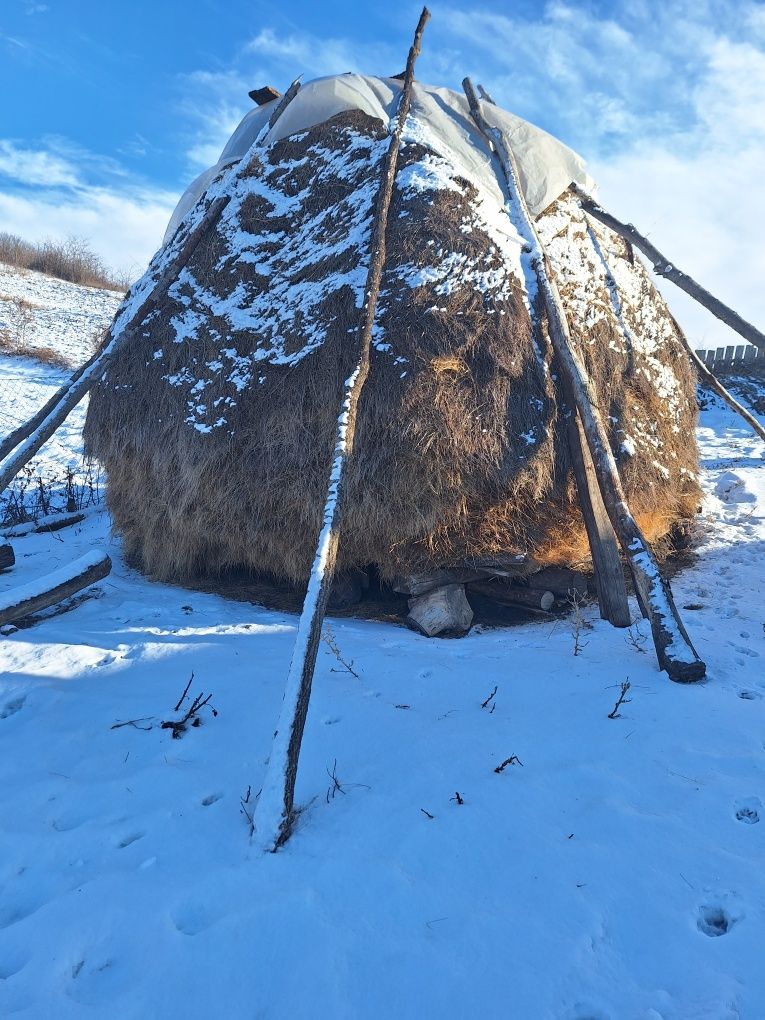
{"x":274,"y":812}
{"x":485,"y":704}
{"x":512,"y":760}
{"x":666,"y":269}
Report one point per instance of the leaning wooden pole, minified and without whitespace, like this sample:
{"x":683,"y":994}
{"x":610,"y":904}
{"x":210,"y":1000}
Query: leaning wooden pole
{"x":666,"y":269}
{"x":273,"y":815}
{"x":674,"y":650}
{"x":31,"y":436}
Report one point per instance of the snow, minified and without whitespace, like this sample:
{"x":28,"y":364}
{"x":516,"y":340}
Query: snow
{"x":616,"y":874}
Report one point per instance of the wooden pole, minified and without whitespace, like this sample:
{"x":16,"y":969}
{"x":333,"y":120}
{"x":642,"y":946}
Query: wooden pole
{"x":674,"y":650}
{"x":666,"y":269}
{"x":28,"y":438}
{"x":54,"y":587}
{"x":709,"y":379}
{"x":273,"y":815}
{"x":604,"y":550}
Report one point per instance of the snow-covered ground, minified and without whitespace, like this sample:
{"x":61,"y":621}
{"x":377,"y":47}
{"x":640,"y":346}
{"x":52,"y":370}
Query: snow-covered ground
{"x":67,"y":319}
{"x":616,"y":873}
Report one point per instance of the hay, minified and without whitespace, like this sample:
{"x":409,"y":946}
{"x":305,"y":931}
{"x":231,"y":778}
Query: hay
{"x":216,"y":421}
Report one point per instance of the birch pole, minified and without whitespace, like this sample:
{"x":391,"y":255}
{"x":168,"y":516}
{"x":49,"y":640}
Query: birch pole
{"x":273,"y":816}
{"x":19,"y":448}
{"x":666,"y":269}
{"x":674,"y":650}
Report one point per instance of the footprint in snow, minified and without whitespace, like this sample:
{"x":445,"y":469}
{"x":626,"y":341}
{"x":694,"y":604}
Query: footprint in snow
{"x":749,"y":695}
{"x":749,"y":810}
{"x":213,"y":797}
{"x":12,"y":707}
{"x":192,"y":918}
{"x":129,"y":840}
{"x":714,"y":920}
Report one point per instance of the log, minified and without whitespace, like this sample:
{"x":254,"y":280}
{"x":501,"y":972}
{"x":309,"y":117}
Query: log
{"x":7,"y":557}
{"x":273,"y":815}
{"x":43,"y":525}
{"x":54,"y":587}
{"x":515,"y":595}
{"x":443,"y":610}
{"x":421,"y":584}
{"x":560,"y":581}
{"x":666,"y":269}
{"x":674,"y":650}
{"x":28,"y":438}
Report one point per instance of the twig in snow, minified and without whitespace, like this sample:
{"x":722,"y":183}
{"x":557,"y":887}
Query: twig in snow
{"x":636,"y":638}
{"x":576,"y":601}
{"x":485,"y":704}
{"x":329,"y":640}
{"x":247,"y":812}
{"x":133,"y":723}
{"x":192,"y":717}
{"x":459,"y":800}
{"x":335,"y":787}
{"x":622,"y":700}
{"x":512,"y":760}
{"x":185,"y":692}
{"x":427,"y":813}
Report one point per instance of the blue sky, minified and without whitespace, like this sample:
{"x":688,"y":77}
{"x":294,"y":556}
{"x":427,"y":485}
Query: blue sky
{"x":109,"y":109}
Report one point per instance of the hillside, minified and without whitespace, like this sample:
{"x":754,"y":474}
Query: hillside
{"x":612,"y":871}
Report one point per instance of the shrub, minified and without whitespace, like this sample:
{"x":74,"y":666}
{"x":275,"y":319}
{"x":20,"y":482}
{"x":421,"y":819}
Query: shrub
{"x":71,"y":260}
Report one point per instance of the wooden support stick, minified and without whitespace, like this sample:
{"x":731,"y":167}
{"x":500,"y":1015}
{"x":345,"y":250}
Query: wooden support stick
{"x":674,"y":650}
{"x":273,"y":815}
{"x":606,"y":562}
{"x":28,"y":438}
{"x":43,"y":525}
{"x":663,"y":267}
{"x":7,"y":557}
{"x":708,"y":378}
{"x":54,"y":587}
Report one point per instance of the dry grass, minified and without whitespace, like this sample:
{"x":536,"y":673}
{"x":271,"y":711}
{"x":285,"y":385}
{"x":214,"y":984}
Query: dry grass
{"x":443,"y":470}
{"x":71,"y":260}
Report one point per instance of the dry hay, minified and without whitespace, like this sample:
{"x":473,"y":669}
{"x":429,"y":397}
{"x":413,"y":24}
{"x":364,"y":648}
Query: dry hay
{"x":216,"y":421}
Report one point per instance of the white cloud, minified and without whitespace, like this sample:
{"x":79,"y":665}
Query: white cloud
{"x":35,"y":166}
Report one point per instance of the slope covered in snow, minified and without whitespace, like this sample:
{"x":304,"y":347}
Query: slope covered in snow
{"x":612,"y":870}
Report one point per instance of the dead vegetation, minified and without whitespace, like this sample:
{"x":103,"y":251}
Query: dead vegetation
{"x":72,"y":260}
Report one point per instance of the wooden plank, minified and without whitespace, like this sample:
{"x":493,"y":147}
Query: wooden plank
{"x":662,"y":266}
{"x":749,"y":355}
{"x":740,"y":352}
{"x":7,"y":557}
{"x":54,"y":587}
{"x":674,"y":650}
{"x":266,"y":94}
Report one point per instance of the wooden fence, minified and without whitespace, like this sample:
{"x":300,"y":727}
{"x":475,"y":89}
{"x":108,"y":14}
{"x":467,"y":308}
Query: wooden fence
{"x":727,"y":359}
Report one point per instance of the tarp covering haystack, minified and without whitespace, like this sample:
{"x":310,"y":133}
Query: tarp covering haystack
{"x":216,"y":420}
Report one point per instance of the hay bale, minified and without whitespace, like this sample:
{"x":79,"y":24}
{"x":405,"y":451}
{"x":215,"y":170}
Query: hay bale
{"x":215,"y":423}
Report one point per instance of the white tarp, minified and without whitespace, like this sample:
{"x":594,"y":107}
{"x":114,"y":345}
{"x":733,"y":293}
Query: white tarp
{"x":438,"y":117}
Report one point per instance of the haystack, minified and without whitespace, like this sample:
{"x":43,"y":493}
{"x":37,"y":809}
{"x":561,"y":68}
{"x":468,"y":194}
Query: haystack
{"x":216,"y":421}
